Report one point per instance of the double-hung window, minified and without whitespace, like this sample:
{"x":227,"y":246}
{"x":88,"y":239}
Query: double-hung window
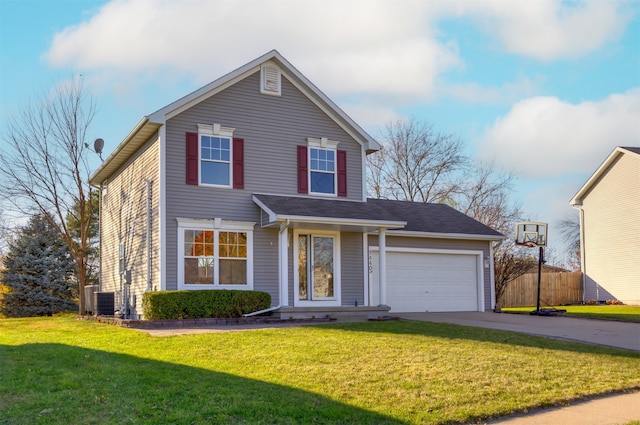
{"x":215,"y":154}
{"x":215,"y":254}
{"x":322,"y":168}
{"x":214,"y":157}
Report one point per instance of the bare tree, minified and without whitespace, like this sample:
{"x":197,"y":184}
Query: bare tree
{"x":509,"y":264}
{"x":416,"y":164}
{"x":484,"y":195}
{"x":419,"y":164}
{"x":570,"y":233}
{"x":44,"y":168}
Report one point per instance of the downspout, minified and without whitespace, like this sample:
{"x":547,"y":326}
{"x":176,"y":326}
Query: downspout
{"x":283,"y":228}
{"x":100,"y":188}
{"x":583,"y":255}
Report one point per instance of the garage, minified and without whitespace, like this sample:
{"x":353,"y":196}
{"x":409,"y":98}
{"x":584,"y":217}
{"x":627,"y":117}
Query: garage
{"x":426,"y":280}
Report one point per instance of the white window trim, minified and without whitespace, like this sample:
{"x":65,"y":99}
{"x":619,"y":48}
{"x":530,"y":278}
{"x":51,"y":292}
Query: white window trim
{"x":337,"y":271}
{"x":215,"y":130}
{"x":264,"y":88}
{"x":216,"y":225}
{"x":326,"y":144}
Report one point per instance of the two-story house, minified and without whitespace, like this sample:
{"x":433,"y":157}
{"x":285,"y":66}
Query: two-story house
{"x":258,"y":181}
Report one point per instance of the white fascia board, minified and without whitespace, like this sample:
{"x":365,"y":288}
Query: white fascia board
{"x":341,"y":221}
{"x":364,"y":138}
{"x":129,"y":145}
{"x":434,"y":235}
{"x":578,"y":197}
{"x":272,"y":215}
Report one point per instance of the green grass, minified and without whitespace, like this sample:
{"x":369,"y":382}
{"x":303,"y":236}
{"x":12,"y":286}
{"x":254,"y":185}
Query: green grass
{"x":60,"y":371}
{"x":627,"y":313}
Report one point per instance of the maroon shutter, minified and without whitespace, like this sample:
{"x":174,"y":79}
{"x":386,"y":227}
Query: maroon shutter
{"x":342,"y":173}
{"x":238,"y":163}
{"x":192,"y":158}
{"x":303,"y":170}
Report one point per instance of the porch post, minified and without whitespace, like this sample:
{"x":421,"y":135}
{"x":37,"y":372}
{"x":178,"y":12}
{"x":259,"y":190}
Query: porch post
{"x":382,"y":260}
{"x":283,"y":257}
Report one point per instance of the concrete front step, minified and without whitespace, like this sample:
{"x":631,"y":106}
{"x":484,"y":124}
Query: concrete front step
{"x":361,"y":312}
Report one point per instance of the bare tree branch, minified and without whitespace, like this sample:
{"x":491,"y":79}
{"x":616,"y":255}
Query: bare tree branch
{"x":44,"y":168}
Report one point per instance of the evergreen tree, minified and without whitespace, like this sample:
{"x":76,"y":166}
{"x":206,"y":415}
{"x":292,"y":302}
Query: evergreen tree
{"x":38,"y":272}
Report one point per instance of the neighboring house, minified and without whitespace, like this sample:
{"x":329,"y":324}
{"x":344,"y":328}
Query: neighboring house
{"x":609,"y":205}
{"x":257,"y":181}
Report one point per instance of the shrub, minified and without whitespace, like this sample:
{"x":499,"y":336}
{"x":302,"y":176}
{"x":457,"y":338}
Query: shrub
{"x":202,"y":304}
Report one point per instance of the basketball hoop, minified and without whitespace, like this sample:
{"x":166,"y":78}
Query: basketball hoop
{"x":531,"y":234}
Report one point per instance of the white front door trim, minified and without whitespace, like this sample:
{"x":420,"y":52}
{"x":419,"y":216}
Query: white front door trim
{"x":336,"y":301}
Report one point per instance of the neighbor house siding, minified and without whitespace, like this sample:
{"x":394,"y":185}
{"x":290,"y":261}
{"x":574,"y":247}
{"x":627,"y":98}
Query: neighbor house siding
{"x":611,"y":227}
{"x":446,"y":244}
{"x":272,"y":128}
{"x":124,"y":222}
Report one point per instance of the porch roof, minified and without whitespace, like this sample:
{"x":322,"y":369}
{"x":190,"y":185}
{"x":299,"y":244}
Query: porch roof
{"x":332,"y":213}
{"x":403,"y":217}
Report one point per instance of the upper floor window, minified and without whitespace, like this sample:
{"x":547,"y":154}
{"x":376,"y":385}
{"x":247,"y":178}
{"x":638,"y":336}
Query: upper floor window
{"x":215,"y":160}
{"x":322,"y":168}
{"x":215,"y":157}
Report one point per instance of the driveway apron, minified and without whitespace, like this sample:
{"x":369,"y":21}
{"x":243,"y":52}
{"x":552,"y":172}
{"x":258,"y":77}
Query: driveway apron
{"x":600,"y":332}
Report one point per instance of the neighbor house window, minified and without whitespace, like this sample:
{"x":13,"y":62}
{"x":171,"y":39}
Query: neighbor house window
{"x":215,"y":253}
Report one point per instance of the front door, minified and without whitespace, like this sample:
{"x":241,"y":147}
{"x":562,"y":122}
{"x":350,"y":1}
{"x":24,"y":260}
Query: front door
{"x":316,"y":267}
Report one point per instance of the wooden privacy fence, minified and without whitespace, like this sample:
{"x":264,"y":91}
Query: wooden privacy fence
{"x":555,"y":289}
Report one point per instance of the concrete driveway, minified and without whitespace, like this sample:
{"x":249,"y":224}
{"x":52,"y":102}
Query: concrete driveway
{"x":601,"y":332}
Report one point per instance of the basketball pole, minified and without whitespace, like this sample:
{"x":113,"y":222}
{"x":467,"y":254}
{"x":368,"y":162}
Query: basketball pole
{"x":540,"y":259}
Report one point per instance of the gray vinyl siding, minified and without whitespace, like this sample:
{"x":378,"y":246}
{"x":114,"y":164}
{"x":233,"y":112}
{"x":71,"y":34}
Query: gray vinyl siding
{"x":444,"y":244}
{"x":124,"y":221}
{"x":272,"y":128}
{"x":611,"y":227}
{"x":265,"y":265}
{"x":352,"y":279}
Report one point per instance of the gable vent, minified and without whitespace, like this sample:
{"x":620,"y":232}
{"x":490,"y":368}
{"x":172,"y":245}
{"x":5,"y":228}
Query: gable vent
{"x":270,"y":80}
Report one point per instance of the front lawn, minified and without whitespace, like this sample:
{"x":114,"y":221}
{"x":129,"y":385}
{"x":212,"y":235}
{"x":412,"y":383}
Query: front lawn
{"x":627,"y":313}
{"x":60,"y":370}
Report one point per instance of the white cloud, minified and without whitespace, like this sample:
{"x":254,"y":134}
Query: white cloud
{"x":387,"y":49}
{"x":544,"y":136}
{"x":507,"y":93}
{"x":551,"y":29}
{"x":371,"y":116}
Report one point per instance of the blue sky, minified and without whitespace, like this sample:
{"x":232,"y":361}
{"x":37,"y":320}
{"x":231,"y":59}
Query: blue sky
{"x":545,"y":89}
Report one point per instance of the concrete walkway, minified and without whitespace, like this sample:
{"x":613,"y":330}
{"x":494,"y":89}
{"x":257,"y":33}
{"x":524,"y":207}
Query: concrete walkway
{"x":601,"y":332}
{"x":617,"y":409}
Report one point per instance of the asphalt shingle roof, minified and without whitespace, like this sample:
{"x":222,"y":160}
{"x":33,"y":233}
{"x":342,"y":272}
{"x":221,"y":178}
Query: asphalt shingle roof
{"x":420,"y":217}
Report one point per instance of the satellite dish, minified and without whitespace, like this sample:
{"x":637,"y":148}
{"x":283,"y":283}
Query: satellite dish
{"x":98,"y":145}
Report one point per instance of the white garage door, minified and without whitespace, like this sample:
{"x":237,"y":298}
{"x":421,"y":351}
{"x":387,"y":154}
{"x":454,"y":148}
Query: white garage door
{"x":421,"y":281}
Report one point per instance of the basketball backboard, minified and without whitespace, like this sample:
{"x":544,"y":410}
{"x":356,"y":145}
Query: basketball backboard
{"x":531,"y":234}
